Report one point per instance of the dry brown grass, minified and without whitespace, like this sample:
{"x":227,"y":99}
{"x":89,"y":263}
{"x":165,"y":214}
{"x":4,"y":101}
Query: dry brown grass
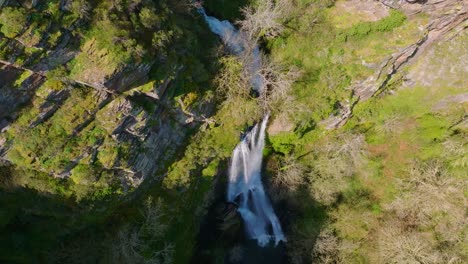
{"x":427,"y":220}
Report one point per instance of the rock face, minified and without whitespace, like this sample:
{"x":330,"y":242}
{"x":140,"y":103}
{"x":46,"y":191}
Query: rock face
{"x":130,"y":76}
{"x":155,"y":136}
{"x":98,"y":101}
{"x":13,"y":95}
{"x":445,"y":17}
{"x":53,"y":102}
{"x":443,"y":64}
{"x":280,"y":124}
{"x":367,"y":10}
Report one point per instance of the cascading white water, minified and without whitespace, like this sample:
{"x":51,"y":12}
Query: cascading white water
{"x":245,"y":188}
{"x":237,"y":43}
{"x":245,"y":185}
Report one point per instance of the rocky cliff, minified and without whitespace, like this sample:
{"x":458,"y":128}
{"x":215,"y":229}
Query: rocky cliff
{"x":52,"y":56}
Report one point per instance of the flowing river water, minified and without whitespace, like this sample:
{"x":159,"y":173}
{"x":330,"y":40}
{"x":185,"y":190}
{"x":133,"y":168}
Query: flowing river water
{"x":245,"y":188}
{"x":238,"y":44}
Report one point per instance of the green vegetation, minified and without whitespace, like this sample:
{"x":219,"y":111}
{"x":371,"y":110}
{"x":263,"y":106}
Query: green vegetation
{"x":22,"y":78}
{"x":356,"y":180}
{"x":118,"y":141}
{"x":63,"y":143}
{"x":361,"y":30}
{"x":12,"y":20}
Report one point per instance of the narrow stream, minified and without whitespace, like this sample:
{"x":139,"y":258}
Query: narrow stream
{"x":238,"y":44}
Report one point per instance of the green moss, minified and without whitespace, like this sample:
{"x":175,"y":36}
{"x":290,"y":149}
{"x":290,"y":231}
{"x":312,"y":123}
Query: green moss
{"x":83,"y":174}
{"x":361,"y":30}
{"x":211,"y":169}
{"x":54,"y":38}
{"x":12,"y":20}
{"x":432,"y":128}
{"x":107,"y":154}
{"x":22,"y":78}
{"x":283,"y":142}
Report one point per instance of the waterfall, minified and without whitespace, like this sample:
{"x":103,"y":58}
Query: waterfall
{"x":245,"y":188}
{"x":238,"y":44}
{"x":245,"y":185}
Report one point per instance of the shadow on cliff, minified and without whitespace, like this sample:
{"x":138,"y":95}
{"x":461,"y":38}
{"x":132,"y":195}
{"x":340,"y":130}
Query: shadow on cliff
{"x":42,"y":227}
{"x":31,"y":222}
{"x":221,"y":238}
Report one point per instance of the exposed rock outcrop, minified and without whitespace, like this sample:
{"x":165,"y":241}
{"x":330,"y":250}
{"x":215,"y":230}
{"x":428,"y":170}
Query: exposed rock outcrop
{"x":446,"y":16}
{"x":367,"y":10}
{"x":53,"y":102}
{"x":280,"y":124}
{"x":14,"y":95}
{"x":129,"y":77}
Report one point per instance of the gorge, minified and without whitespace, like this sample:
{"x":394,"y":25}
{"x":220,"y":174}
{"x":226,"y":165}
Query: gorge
{"x":246,"y":131}
{"x":245,"y":185}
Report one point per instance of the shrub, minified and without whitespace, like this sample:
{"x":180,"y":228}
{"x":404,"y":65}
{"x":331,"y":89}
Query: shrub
{"x":283,"y":142}
{"x":361,"y":30}
{"x":230,"y":81}
{"x":25,"y":75}
{"x":80,"y":8}
{"x":161,"y":38}
{"x":148,"y":18}
{"x":290,"y":177}
{"x":211,"y":169}
{"x":431,"y":201}
{"x":326,"y":248}
{"x":395,"y":19}
{"x":12,"y":21}
{"x":291,"y":174}
{"x":337,"y":160}
{"x":83,"y":174}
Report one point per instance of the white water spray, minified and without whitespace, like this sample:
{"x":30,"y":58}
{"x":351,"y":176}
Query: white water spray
{"x":245,"y":185}
{"x":237,"y":43}
{"x":246,"y":189}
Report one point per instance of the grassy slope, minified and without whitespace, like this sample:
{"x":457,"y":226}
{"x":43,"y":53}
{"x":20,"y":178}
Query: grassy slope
{"x":374,"y":157}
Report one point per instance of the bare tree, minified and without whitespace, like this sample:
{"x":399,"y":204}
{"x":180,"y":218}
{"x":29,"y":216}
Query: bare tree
{"x":337,"y":159}
{"x":291,"y":174}
{"x":398,"y":246}
{"x":265,"y":20}
{"x":392,"y":126}
{"x":433,"y":200}
{"x":276,"y":83}
{"x":133,"y":243}
{"x":326,"y":248}
{"x":232,"y":81}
